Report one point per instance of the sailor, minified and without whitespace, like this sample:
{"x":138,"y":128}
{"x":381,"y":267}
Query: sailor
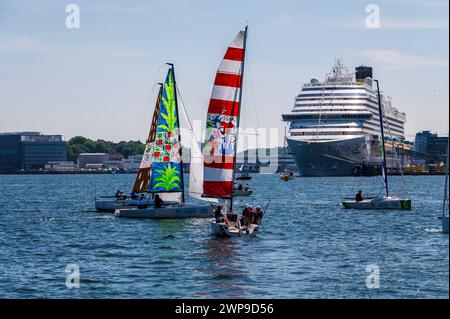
{"x":134,"y":195}
{"x":248,"y":214}
{"x":158,"y":201}
{"x":239,"y":187}
{"x":118,"y":193}
{"x":246,"y":187}
{"x":359,"y":196}
{"x":257,"y":215}
{"x":243,"y":215}
{"x":220,"y":216}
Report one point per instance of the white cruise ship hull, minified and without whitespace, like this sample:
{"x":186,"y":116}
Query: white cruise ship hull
{"x":330,"y":158}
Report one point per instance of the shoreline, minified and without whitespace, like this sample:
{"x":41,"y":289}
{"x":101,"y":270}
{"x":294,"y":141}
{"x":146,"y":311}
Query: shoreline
{"x":130,"y":173}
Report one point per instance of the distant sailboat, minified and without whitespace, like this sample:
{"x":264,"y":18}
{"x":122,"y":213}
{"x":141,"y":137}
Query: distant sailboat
{"x":380,"y":202}
{"x":444,"y":217}
{"x":161,"y":169}
{"x":287,"y":174}
{"x":243,"y":176}
{"x":220,"y":145}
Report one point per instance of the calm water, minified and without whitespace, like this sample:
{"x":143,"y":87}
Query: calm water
{"x":309,"y":247}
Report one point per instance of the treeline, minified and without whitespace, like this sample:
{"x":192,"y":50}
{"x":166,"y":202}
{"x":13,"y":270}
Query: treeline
{"x":80,"y":144}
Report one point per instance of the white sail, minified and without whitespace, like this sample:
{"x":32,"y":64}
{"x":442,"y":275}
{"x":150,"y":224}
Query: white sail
{"x":171,"y":197}
{"x":196,"y":163}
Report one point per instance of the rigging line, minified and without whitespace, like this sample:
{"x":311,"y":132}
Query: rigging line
{"x":142,"y":118}
{"x":189,"y":123}
{"x":252,"y":89}
{"x":395,"y":153}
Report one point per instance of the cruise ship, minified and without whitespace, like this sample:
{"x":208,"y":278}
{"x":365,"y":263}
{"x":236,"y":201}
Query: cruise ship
{"x":334,"y":127}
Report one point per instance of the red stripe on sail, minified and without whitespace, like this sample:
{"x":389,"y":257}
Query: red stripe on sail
{"x":222,"y":162}
{"x":234,"y":54}
{"x":229,"y":108}
{"x":226,"y":79}
{"x":219,"y":189}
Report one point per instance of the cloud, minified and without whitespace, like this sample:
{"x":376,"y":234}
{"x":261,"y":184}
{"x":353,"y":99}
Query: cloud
{"x":391,"y":59}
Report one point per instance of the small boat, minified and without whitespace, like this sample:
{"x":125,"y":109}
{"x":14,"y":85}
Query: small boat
{"x":233,"y":228}
{"x":444,"y":216}
{"x":110,"y":204}
{"x":162,"y":165}
{"x":386,"y":201}
{"x":242,"y":192}
{"x":142,"y":181}
{"x":220,"y":146}
{"x":287,"y":175}
{"x":243,"y":176}
{"x":178,"y":210}
{"x":380,"y":202}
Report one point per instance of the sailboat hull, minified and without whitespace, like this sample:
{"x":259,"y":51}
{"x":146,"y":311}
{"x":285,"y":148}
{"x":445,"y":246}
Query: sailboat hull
{"x":110,"y":205}
{"x":382,"y":203}
{"x":224,"y":230}
{"x":175,"y":211}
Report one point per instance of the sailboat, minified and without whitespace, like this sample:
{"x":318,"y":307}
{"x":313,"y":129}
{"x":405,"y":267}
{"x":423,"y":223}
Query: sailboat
{"x":287,"y":174}
{"x":219,"y":148}
{"x":161,"y":169}
{"x":385,"y":201}
{"x":141,"y":183}
{"x":444,"y":217}
{"x":243,"y":176}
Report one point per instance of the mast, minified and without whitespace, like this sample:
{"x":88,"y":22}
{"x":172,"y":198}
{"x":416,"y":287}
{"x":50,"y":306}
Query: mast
{"x":444,"y":205}
{"x":383,"y":153}
{"x":179,"y":136}
{"x":239,"y":114}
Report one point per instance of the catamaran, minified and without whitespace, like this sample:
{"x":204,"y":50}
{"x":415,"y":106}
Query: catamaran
{"x":141,"y":183}
{"x":386,"y":201}
{"x":161,"y":170}
{"x":219,"y":148}
{"x":444,"y":217}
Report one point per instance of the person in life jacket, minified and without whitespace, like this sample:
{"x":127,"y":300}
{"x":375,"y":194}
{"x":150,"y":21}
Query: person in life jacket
{"x":220,"y":215}
{"x":158,"y":201}
{"x":359,"y":196}
{"x":257,"y":215}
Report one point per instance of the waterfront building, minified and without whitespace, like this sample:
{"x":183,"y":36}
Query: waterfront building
{"x":30,"y":150}
{"x":421,"y":141}
{"x":91,"y":160}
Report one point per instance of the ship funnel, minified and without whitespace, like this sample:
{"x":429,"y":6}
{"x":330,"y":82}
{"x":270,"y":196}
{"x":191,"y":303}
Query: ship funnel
{"x":363,"y":72}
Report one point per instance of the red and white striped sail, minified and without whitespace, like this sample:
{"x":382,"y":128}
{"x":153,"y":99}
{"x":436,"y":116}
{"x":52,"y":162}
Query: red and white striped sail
{"x":219,"y":150}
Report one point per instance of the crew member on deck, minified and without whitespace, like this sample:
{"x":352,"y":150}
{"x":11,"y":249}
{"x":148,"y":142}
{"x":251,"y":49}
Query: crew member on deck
{"x":220,"y":215}
{"x":359,"y":196}
{"x":257,"y":215}
{"x":158,"y":201}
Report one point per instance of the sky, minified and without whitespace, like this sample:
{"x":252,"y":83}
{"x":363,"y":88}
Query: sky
{"x":100,"y":80}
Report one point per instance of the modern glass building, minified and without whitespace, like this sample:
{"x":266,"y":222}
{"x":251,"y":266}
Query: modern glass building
{"x":30,"y":150}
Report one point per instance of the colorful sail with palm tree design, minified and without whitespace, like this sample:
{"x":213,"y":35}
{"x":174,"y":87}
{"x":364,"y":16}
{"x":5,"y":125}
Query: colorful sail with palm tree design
{"x":166,"y":166}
